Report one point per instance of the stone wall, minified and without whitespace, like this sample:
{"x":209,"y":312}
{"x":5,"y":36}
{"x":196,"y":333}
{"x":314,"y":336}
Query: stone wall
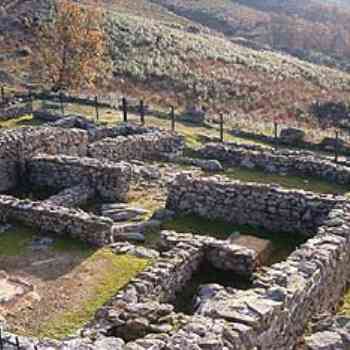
{"x":23,"y":143}
{"x":302,"y":163}
{"x":110,"y":181}
{"x":8,"y":175}
{"x":268,"y":206}
{"x":72,"y":196}
{"x":59,"y":220}
{"x":331,"y":333}
{"x":272,"y":315}
{"x":14,"y":112}
{"x":149,"y":146}
{"x":17,"y":145}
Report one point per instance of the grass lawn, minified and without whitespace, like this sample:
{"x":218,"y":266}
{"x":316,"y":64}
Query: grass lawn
{"x":298,"y":182}
{"x":16,"y":240}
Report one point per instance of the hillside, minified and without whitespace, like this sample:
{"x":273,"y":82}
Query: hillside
{"x":317,"y":31}
{"x":166,"y":58}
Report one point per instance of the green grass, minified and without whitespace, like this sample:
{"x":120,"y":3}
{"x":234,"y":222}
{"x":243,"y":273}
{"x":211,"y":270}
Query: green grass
{"x":67,"y":244}
{"x":297,"y":182}
{"x":120,"y":271}
{"x":27,"y":120}
{"x":15,"y":241}
{"x":283,"y":243}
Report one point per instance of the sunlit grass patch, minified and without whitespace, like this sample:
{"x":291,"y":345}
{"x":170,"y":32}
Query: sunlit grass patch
{"x":289,"y":181}
{"x":117,"y":271}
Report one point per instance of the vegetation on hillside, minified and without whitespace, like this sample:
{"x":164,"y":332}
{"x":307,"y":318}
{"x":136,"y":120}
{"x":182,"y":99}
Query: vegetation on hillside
{"x":315,"y":30}
{"x":71,"y":50}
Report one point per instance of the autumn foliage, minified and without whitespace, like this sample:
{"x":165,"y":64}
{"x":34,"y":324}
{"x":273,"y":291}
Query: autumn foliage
{"x":71,"y":49}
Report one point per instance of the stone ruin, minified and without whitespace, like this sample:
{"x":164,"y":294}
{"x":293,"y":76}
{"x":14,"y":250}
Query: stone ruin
{"x":287,"y":162}
{"x":271,"y":312}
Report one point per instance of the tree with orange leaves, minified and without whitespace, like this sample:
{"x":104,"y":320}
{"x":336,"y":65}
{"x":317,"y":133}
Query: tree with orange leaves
{"x":71,"y":50}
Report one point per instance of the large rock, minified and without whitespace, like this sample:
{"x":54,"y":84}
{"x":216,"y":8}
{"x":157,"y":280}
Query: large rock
{"x":195,"y":115}
{"x":325,"y":341}
{"x":262,"y":247}
{"x":292,"y":136}
{"x":329,"y":144}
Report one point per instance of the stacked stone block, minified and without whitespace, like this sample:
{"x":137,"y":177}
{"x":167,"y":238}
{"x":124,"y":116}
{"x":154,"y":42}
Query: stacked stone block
{"x":109,"y":180}
{"x":149,"y":146}
{"x":278,"y":161}
{"x":268,"y":206}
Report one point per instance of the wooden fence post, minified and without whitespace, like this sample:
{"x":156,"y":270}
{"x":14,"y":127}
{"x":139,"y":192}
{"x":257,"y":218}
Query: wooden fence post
{"x":1,"y":341}
{"x":2,"y":95}
{"x":336,"y":147}
{"x":31,"y":102}
{"x":125,"y":109}
{"x":96,"y":107}
{"x":142,"y":112}
{"x":61,"y":103}
{"x":275,"y":125}
{"x":172,"y":116}
{"x":221,"y":127}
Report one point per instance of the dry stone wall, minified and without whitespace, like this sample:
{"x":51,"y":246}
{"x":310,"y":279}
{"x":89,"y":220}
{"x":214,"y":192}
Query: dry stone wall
{"x":72,"y":196}
{"x":60,"y":220}
{"x":268,"y":206}
{"x":20,"y":144}
{"x":271,"y":315}
{"x":14,"y":112}
{"x":109,"y":180}
{"x":278,"y":161}
{"x":149,"y":146}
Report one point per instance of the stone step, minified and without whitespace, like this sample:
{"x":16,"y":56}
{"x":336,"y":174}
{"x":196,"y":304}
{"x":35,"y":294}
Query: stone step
{"x":113,"y":206}
{"x":133,"y":210}
{"x":130,"y":236}
{"x":136,"y":227}
{"x":121,"y":216}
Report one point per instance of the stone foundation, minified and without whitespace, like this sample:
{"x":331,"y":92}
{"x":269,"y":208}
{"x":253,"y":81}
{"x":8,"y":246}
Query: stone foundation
{"x":268,"y":206}
{"x":277,"y":161}
{"x":17,"y":145}
{"x":72,"y":196}
{"x":14,"y":112}
{"x":59,"y":220}
{"x":109,"y":180}
{"x":139,"y":147}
